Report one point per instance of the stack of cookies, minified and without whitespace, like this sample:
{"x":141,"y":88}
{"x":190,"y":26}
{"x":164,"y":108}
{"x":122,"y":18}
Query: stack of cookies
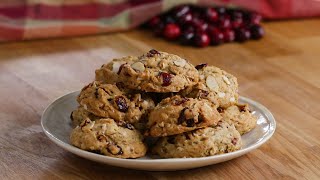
{"x":191,"y":111}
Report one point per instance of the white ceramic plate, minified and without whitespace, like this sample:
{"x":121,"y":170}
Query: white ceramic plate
{"x":56,"y":124}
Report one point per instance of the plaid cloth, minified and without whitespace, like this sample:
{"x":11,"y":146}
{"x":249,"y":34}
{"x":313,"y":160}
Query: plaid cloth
{"x":29,"y":19}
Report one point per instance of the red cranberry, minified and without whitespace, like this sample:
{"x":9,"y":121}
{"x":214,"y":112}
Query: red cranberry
{"x":169,"y":19}
{"x":199,"y":25}
{"x":171,"y":31}
{"x":224,"y":22}
{"x":256,"y":32}
{"x":186,"y":18}
{"x":166,"y":78}
{"x":221,"y":10}
{"x":242,"y":34}
{"x":202,"y":39}
{"x":121,"y":103}
{"x":153,"y":22}
{"x":236,"y":15}
{"x":200,"y":66}
{"x":255,"y":18}
{"x":181,"y":10}
{"x":236,"y":23}
{"x":228,"y":35}
{"x":187,"y":36}
{"x":216,"y":36}
{"x":211,"y":15}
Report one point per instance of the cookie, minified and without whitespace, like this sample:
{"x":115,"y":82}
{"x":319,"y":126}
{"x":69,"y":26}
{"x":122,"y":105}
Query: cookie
{"x":177,"y":114}
{"x":216,"y":85}
{"x":78,"y":115}
{"x":240,"y":116}
{"x":108,"y":73}
{"x":158,"y":72}
{"x":110,"y":138}
{"x":208,"y":141}
{"x":107,"y":100}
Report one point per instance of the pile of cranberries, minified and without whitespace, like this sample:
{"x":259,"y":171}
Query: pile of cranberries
{"x":203,"y":26}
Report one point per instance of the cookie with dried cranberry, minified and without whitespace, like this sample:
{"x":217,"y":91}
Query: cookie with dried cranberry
{"x":109,"y":137}
{"x":240,"y":116}
{"x":79,"y":114}
{"x":216,"y":85}
{"x":108,"y":73}
{"x":158,"y":72}
{"x":107,"y":100}
{"x":209,"y":141}
{"x":178,"y":114}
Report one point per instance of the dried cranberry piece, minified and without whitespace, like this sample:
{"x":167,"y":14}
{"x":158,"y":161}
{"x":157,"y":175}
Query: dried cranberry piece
{"x":111,"y":150}
{"x":152,"y":52}
{"x":203,"y":94}
{"x":234,"y":141}
{"x":220,"y":109}
{"x":200,"y":66}
{"x":96,"y":93}
{"x":171,"y":139}
{"x":242,"y":108}
{"x":190,"y":122}
{"x":182,"y":117}
{"x":121,"y":103}
{"x":179,"y":102}
{"x":166,"y":78}
{"x":120,"y":68}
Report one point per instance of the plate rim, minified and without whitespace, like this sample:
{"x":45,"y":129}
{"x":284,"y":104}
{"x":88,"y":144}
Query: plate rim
{"x":102,"y":158}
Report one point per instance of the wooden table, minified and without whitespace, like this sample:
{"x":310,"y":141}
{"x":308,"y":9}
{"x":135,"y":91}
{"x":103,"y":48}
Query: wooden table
{"x":281,"y":71}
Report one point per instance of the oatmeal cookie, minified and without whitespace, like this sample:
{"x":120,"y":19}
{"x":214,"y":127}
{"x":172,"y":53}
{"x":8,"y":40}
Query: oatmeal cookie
{"x":158,"y":72}
{"x":216,"y":85}
{"x":178,"y":114}
{"x":208,"y":141}
{"x":240,"y":116}
{"x":109,"y":137}
{"x":107,"y":100}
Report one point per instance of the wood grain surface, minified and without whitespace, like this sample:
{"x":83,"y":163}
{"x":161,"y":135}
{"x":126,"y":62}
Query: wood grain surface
{"x":281,"y":71}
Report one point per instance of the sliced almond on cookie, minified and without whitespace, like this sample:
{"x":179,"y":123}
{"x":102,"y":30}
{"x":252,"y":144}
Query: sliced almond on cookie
{"x":116,"y":66}
{"x":221,"y":94}
{"x":226,"y":80}
{"x":212,"y":83}
{"x":180,"y":62}
{"x":138,"y":66}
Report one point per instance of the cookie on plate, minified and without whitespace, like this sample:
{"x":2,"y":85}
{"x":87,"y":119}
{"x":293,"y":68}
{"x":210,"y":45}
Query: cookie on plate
{"x":108,"y":73}
{"x":107,"y":100}
{"x":158,"y":72}
{"x":109,"y":137}
{"x":80,"y":114}
{"x":216,"y":85}
{"x":208,"y":141}
{"x":240,"y":116}
{"x":175,"y":115}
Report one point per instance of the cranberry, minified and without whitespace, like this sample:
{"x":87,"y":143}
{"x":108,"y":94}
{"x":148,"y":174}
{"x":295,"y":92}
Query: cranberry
{"x":181,"y":10}
{"x":182,"y":116}
{"x":171,"y":31}
{"x":255,"y":18}
{"x":216,"y":36}
{"x":121,"y":103}
{"x":228,"y":35}
{"x":185,"y":19}
{"x":236,"y":15}
{"x":153,"y":22}
{"x":179,"y":102}
{"x":169,"y":19}
{"x":199,"y":25}
{"x":221,"y":10}
{"x":200,"y":66}
{"x":236,"y":23}
{"x":211,"y":15}
{"x":187,"y":36}
{"x":242,"y":34}
{"x":256,"y":32}
{"x":224,"y":22}
{"x":153,"y":52}
{"x":166,"y":78}
{"x":202,"y":39}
